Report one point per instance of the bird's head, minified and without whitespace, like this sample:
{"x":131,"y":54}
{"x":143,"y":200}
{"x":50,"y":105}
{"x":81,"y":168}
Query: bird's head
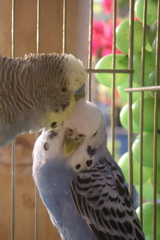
{"x":84,"y":133}
{"x":61,"y":76}
{"x":74,"y":73}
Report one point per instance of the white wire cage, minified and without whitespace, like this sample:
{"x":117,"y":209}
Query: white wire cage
{"x":64,"y":26}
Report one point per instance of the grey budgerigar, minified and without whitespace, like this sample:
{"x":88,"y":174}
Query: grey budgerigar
{"x":37,"y":91}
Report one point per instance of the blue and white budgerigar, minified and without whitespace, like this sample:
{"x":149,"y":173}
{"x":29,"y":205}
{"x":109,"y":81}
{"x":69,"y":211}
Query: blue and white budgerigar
{"x":37,"y":91}
{"x":80,"y":184}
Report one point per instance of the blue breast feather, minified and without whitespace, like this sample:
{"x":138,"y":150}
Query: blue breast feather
{"x":52,"y":180}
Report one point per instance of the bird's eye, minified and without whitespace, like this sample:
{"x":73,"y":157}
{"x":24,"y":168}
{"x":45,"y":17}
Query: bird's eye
{"x":63,"y":90}
{"x":94,"y":134}
{"x":81,"y":135}
{"x":54,"y":124}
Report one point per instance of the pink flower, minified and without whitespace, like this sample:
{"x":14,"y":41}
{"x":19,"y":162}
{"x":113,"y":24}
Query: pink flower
{"x":99,"y":38}
{"x":108,"y":6}
{"x":102,"y":38}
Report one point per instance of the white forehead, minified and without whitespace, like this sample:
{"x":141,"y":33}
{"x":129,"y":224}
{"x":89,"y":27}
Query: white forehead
{"x":86,"y":118}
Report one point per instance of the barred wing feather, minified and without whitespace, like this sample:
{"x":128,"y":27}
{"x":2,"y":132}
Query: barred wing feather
{"x":101,"y":196}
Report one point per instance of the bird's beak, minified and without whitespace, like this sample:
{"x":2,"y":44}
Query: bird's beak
{"x":80,"y":93}
{"x":69,"y":146}
{"x":79,"y":96}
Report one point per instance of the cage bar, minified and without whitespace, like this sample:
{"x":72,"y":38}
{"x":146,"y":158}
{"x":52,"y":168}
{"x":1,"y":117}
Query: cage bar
{"x":89,"y":96}
{"x":64,"y":40}
{"x":140,"y":89}
{"x":142,"y":108}
{"x":13,"y":191}
{"x":38,"y":26}
{"x":155,"y":145}
{"x":13,"y":157}
{"x":110,"y":70}
{"x":130,"y":65}
{"x":113,"y":78}
{"x":37,"y":134}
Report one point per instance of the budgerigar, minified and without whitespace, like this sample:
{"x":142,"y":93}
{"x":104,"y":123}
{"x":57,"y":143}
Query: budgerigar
{"x":80,"y":184}
{"x":37,"y":91}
